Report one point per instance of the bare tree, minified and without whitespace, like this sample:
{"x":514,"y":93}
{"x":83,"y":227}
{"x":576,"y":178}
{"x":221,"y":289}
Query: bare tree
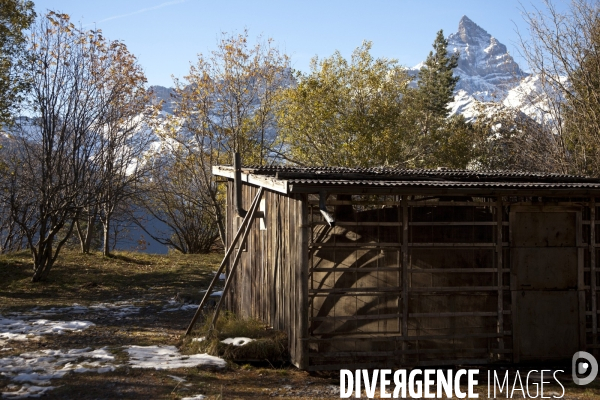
{"x":226,"y":105}
{"x":76,"y":76}
{"x":174,"y":197}
{"x":564,"y":52}
{"x":506,"y":138}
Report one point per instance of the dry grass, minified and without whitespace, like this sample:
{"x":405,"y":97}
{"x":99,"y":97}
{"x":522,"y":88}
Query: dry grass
{"x":268,"y":345}
{"x":149,"y":281}
{"x":85,"y":278}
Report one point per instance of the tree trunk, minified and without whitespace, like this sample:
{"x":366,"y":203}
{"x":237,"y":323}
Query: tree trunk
{"x":86,"y":235}
{"x":106,"y":236}
{"x":42,"y":261}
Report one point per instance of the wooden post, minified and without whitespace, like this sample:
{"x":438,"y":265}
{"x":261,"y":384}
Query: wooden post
{"x":302,"y":301}
{"x":593,"y":282}
{"x":404,"y":276}
{"x":245,"y":221}
{"x":499,"y":266}
{"x":251,"y":213}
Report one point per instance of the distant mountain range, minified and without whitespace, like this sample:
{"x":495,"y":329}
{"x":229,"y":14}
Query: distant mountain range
{"x":486,"y":69}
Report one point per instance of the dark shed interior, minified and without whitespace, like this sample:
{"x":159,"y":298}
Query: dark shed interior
{"x":397,"y":268}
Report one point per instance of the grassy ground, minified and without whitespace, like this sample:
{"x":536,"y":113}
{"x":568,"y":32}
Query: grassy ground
{"x":149,"y":282}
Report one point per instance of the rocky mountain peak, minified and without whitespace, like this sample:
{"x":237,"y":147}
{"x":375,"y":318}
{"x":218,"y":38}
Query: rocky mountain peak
{"x":469,"y":31}
{"x":486,"y":70}
{"x":485,"y":67}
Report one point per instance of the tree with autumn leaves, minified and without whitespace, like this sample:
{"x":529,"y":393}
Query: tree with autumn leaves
{"x":69,"y":152}
{"x":363,"y":112}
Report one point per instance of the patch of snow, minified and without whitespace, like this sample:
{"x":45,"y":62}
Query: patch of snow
{"x":238,"y":341}
{"x":118,"y":309}
{"x":168,"y":357}
{"x":196,"y":397}
{"x":36,"y":369}
{"x":177,"y":378}
{"x":27,"y":391}
{"x":17,"y":329}
{"x":199,"y":339}
{"x":222,"y":276}
{"x":173,"y":305}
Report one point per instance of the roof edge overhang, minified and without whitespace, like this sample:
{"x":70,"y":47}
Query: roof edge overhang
{"x":283,"y":185}
{"x":268,"y":182}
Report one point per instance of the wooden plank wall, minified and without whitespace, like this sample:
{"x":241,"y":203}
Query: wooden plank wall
{"x":269,"y":280}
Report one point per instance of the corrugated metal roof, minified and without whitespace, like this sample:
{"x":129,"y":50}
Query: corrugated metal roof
{"x":287,"y":179}
{"x":334,"y":174}
{"x":386,"y":183}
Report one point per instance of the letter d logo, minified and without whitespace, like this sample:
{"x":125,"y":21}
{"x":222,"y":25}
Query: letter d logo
{"x":584,"y":363}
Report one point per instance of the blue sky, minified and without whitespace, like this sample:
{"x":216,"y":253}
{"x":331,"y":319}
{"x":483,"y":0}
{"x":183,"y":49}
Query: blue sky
{"x":166,"y":35}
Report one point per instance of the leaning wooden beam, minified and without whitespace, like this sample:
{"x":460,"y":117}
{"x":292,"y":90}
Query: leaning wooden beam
{"x":245,"y":222}
{"x":250,"y":214}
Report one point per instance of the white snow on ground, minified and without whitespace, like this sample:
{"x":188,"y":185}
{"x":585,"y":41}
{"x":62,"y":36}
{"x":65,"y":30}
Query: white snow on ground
{"x":35,"y":369}
{"x":222,"y":276}
{"x":173,"y":305}
{"x":31,"y":372}
{"x":196,"y":397}
{"x":26,"y":391}
{"x":168,"y":357}
{"x":17,"y":329}
{"x":238,"y":341}
{"x":118,"y":309}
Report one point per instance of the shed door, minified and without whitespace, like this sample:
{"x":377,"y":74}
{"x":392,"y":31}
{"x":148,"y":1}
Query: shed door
{"x":545,"y":261}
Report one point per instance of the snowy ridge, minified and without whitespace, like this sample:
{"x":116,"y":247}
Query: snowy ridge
{"x":484,"y":64}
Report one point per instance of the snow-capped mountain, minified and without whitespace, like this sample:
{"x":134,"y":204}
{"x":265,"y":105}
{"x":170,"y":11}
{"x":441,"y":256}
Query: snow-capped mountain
{"x":487,"y":71}
{"x":485,"y":67}
{"x":163,"y":94}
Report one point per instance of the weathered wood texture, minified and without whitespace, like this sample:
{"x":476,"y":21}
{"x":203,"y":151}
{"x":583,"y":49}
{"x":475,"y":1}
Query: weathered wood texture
{"x":408,"y":280}
{"x":268,"y":282}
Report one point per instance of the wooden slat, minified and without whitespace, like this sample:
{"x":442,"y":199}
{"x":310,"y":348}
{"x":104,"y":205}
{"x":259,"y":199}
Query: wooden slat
{"x":457,"y":289}
{"x":379,"y":364}
{"x":593,"y":282}
{"x":456,"y":270}
{"x":396,"y":353}
{"x":361,"y":245}
{"x":399,"y":337}
{"x":456,"y":314}
{"x":355,"y":269}
{"x":500,"y":270}
{"x":355,"y":291}
{"x":359,"y":223}
{"x":356,"y":317}
{"x":405,"y":277}
{"x":447,"y":223}
{"x":303,"y":284}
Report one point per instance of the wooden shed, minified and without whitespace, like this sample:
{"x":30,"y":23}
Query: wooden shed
{"x":398,"y":268}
